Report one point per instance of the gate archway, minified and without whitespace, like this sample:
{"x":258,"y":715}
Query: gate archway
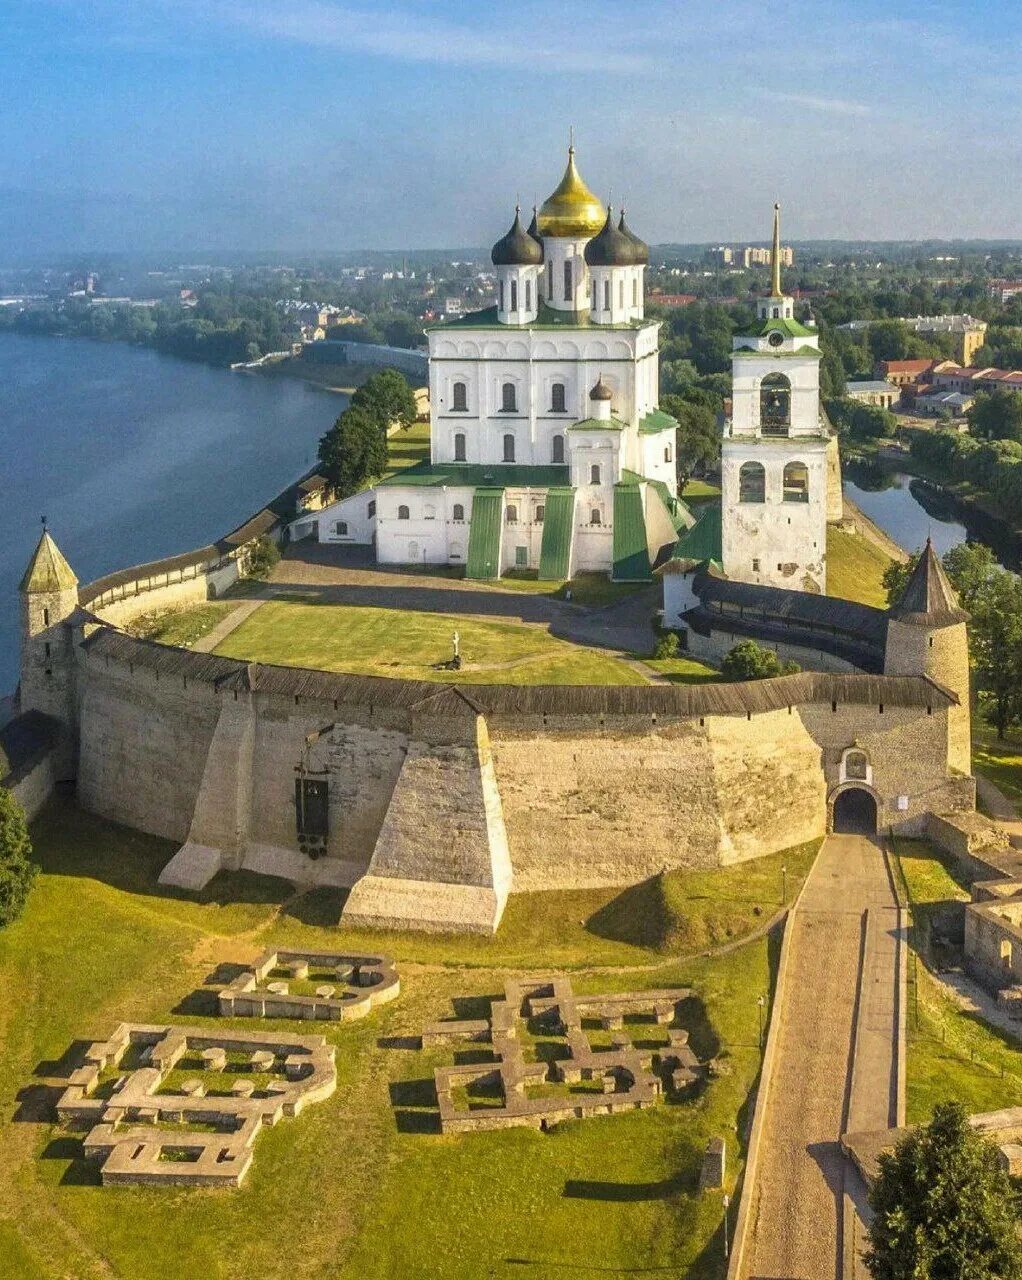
{"x":855,"y":812}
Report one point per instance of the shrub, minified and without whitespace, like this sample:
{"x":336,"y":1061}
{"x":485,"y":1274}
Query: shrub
{"x":263,"y":557}
{"x":16,"y":870}
{"x":666,"y":646}
{"x":749,"y":661}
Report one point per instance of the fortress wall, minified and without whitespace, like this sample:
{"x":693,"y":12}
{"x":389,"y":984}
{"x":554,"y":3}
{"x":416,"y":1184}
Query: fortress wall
{"x":173,"y":595}
{"x":143,"y":747}
{"x":715,"y":647}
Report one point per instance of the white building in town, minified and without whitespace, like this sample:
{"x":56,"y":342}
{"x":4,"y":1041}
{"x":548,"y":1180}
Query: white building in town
{"x":547,"y":447}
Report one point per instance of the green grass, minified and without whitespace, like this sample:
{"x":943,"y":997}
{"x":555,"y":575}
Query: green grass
{"x":354,"y":1186}
{"x":180,"y":626}
{"x":855,"y":568}
{"x":1000,"y":760}
{"x":951,"y":1053}
{"x":406,"y":447}
{"x":699,"y":491}
{"x":592,"y":590}
{"x":389,"y":642}
{"x":682,"y":670}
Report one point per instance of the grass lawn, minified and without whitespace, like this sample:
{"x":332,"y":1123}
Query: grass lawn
{"x":699,"y":491}
{"x":855,"y":568}
{"x":951,"y":1053}
{"x":388,"y":642}
{"x":1000,"y":760}
{"x":593,"y":590}
{"x":682,"y":670}
{"x":361,"y":1187}
{"x":407,"y":447}
{"x":180,"y":626}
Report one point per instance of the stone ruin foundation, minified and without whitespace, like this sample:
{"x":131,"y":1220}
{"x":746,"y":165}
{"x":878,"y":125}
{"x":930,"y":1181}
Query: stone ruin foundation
{"x":621,"y":1078}
{"x":317,"y":985}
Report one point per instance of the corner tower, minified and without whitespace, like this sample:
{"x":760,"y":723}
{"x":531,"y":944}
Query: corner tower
{"x":774,"y":455}
{"x":927,"y":636}
{"x":49,"y":596}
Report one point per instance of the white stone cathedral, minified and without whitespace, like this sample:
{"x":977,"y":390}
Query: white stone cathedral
{"x":548,"y":450}
{"x":778,"y":451}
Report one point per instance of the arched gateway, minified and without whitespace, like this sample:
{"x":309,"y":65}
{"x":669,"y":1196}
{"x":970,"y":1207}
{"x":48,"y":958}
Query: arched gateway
{"x":855,"y":812}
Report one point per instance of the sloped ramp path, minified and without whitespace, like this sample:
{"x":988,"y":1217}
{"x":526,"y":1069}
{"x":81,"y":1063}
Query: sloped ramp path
{"x":833,"y":1065}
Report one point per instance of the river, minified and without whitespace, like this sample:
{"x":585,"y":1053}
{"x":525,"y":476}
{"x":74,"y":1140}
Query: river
{"x":133,"y":455}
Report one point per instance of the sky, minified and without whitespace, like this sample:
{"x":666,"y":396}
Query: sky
{"x":320,"y":125}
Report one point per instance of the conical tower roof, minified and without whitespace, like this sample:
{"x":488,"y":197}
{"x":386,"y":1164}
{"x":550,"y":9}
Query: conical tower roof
{"x":572,"y":210}
{"x":48,"y":570}
{"x":929,"y":599}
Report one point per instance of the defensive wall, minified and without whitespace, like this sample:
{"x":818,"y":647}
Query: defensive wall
{"x":375,"y":355}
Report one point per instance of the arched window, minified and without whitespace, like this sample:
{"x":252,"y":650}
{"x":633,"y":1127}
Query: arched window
{"x":429,"y":511}
{"x":550,"y":282}
{"x":595,"y":517}
{"x":459,"y":447}
{"x":567,"y":280}
{"x":508,"y":402}
{"x":775,"y":405}
{"x":459,"y":398}
{"x":458,"y":513}
{"x":540,"y":515}
{"x":402,"y":513}
{"x":621,"y":293}
{"x":796,"y":482}
{"x":635,"y":291}
{"x":606,"y":295}
{"x":594,"y":473}
{"x":557,"y":398}
{"x":752,"y":482}
{"x":502,"y":295}
{"x":594,"y":295}
{"x":528,"y":295}
{"x":509,"y":448}
{"x":558,"y":446}
{"x":511,"y":515}
{"x":1005,"y":953}
{"x":514,"y":295}
{"x":371,"y":509}
{"x":667,"y":453}
{"x":856,"y":766}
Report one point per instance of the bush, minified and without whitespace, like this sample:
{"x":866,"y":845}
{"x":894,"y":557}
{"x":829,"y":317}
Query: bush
{"x":263,"y":557}
{"x":16,"y":870}
{"x":749,"y":661}
{"x":666,"y":646}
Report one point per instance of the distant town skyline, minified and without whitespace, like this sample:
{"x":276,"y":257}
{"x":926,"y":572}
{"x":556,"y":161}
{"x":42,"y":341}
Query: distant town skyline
{"x":330,"y":126}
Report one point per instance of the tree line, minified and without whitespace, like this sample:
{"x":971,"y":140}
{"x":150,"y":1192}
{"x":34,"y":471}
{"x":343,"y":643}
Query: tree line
{"x":992,"y":465}
{"x":353,"y":453}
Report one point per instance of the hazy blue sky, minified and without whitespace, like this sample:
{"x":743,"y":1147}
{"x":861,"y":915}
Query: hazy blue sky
{"x":318,"y":124}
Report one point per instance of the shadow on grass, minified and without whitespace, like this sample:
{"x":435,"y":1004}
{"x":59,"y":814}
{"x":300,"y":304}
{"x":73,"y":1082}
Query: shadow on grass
{"x":638,"y":915}
{"x":415,"y":1106}
{"x":68,"y":1061}
{"x":320,"y":907}
{"x":399,"y":1042}
{"x":624,"y":1192}
{"x":473,"y":1007}
{"x":37,"y":1103}
{"x":79,"y":1172}
{"x":199,"y":1004}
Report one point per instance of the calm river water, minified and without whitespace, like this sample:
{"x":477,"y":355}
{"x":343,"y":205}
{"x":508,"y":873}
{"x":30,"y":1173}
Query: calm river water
{"x":133,"y":455}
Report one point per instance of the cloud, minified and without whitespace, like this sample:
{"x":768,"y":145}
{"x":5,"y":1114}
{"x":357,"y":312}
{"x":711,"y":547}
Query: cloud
{"x":832,"y":106}
{"x":412,"y":36}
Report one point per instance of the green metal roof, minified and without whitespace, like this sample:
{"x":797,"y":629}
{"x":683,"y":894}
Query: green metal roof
{"x":471,"y":475}
{"x":631,"y":557}
{"x":680,"y":514}
{"x":701,"y":543}
{"x":483,"y":560}
{"x":548,"y":318}
{"x":790,"y":329}
{"x":776,"y":355}
{"x":657,"y":421}
{"x":599,"y":424}
{"x":558,"y":526}
{"x":47,"y":570}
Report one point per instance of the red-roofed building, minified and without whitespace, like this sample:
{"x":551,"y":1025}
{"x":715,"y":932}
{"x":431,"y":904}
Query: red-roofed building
{"x":672,"y":299}
{"x":904,"y":372}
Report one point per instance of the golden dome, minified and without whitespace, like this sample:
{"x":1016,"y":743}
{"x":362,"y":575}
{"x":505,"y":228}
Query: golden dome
{"x":572,"y":210}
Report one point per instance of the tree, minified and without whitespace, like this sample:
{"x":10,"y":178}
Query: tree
{"x":697,"y":441}
{"x":16,"y":870}
{"x":263,"y":557}
{"x":942,"y":1207}
{"x":887,"y":340}
{"x":353,"y":452}
{"x":748,"y":661}
{"x":996,"y":415}
{"x":388,"y":398}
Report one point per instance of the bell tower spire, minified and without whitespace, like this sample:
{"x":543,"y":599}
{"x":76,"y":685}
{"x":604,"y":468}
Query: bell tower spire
{"x":775,"y":255}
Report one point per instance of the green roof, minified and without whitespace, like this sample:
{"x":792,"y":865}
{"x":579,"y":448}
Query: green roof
{"x":483,"y":560}
{"x":558,"y":526}
{"x":631,"y":556}
{"x":471,"y":475}
{"x":777,"y":355}
{"x":703,"y":541}
{"x":599,"y":424}
{"x":790,"y":329}
{"x":681,"y":516}
{"x":657,"y":421}
{"x":548,"y":318}
{"x":48,"y":570}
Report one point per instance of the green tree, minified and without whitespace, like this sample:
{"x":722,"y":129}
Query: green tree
{"x":263,"y":557}
{"x":887,"y":340}
{"x":996,"y":415}
{"x":749,"y":661}
{"x":17,"y":871}
{"x":942,"y":1207}
{"x":386,"y":397}
{"x":353,"y":452}
{"x":697,"y":441}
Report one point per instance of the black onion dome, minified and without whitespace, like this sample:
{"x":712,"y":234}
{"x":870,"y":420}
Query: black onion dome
{"x":517,"y":248}
{"x":640,"y":247}
{"x":610,"y":248}
{"x":534,"y":228}
{"x":601,"y":391}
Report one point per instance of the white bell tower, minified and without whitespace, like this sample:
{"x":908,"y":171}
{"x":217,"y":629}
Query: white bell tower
{"x":774,"y":450}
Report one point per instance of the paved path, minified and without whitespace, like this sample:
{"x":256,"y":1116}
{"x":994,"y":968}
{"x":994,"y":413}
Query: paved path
{"x":230,"y":623}
{"x":839,"y":1008}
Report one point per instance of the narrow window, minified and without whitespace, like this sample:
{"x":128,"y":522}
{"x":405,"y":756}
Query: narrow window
{"x":509,"y":448}
{"x":507,"y":398}
{"x":46,"y":617}
{"x":595,"y":517}
{"x":458,"y":513}
{"x":514,"y":295}
{"x":558,"y":449}
{"x":502,"y":295}
{"x":594,"y":295}
{"x":567,"y":280}
{"x":459,"y":447}
{"x":528,"y":295}
{"x":557,"y":398}
{"x":667,"y":453}
{"x":635,"y":291}
{"x":621,"y":294}
{"x":342,"y":528}
{"x":594,"y":474}
{"x":550,"y":282}
{"x":460,"y":398}
{"x":606,"y":295}
{"x":402,"y":513}
{"x":540,"y":513}
{"x":371,"y":509}
{"x":511,"y":515}
{"x":521,"y":557}
{"x":755,"y":565}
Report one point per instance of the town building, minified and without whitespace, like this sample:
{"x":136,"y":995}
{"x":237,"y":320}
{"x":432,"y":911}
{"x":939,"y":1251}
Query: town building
{"x":967,"y":333}
{"x":883,"y":394}
{"x":548,"y":448}
{"x":1003,"y":291}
